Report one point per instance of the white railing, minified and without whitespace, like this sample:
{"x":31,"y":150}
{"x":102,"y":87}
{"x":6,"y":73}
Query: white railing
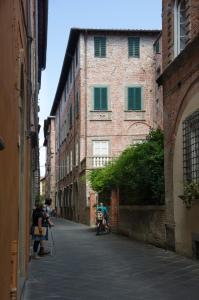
{"x":96,"y":162}
{"x":99,"y":161}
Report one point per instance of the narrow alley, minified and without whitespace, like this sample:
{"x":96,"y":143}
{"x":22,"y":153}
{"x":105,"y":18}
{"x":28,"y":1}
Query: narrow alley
{"x":86,"y":266}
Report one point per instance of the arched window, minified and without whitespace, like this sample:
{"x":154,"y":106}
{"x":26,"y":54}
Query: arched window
{"x":180,"y":26}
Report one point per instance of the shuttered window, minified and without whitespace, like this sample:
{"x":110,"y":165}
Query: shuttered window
{"x":71,"y":116}
{"x":77,"y":104}
{"x":134,"y":98}
{"x":134,"y":46}
{"x":100,"y":46}
{"x":100,"y":98}
{"x":157,"y":47}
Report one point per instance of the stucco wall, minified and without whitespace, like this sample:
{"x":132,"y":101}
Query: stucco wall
{"x":186,"y":220}
{"x":14,"y":218}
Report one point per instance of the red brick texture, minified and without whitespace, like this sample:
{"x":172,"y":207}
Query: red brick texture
{"x":114,"y":211}
{"x":180,"y":74}
{"x":192,"y":26}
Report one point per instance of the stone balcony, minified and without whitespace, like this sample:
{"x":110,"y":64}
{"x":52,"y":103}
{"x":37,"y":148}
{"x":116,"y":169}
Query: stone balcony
{"x":94,"y":162}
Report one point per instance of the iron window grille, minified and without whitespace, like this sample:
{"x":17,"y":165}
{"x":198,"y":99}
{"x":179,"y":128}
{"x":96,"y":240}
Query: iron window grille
{"x":191,"y":148}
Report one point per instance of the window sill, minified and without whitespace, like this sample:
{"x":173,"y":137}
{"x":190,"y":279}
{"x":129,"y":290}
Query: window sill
{"x":134,"y":115}
{"x":137,"y":111}
{"x":100,"y":115}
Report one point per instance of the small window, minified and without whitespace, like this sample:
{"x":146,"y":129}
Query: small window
{"x":180,"y":26}
{"x":71,"y":160}
{"x":100,"y":153}
{"x":100,"y":46}
{"x":67,"y":164}
{"x":77,"y":154}
{"x":77,"y":104}
{"x":76,"y":57}
{"x":134,"y":98}
{"x":191,"y":147}
{"x":157,"y":47}
{"x":134,"y":47}
{"x":100,"y":148}
{"x":71,"y":116}
{"x":100,"y":98}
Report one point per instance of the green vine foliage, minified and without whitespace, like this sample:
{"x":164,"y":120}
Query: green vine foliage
{"x":191,"y":194}
{"x":138,"y":173}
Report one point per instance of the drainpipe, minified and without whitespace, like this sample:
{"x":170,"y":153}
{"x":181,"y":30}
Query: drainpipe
{"x":85,"y":78}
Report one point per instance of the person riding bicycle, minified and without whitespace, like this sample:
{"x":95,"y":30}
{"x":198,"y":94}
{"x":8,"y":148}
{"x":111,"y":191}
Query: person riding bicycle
{"x":101,"y":207}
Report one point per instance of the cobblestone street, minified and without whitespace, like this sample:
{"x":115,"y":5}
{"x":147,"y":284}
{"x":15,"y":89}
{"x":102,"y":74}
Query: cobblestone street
{"x":85,"y":266}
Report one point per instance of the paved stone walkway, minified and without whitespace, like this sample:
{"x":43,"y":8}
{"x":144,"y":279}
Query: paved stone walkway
{"x":111,"y":267}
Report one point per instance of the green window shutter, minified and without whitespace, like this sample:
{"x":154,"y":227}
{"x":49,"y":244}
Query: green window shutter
{"x":100,"y":98}
{"x":134,"y":46}
{"x":103,"y":98}
{"x":71,"y":116}
{"x":77,"y":104}
{"x":97,"y":46}
{"x":134,"y":98}
{"x":100,"y":46}
{"x":96,"y":98}
{"x":103,"y":47}
{"x":138,"y":98}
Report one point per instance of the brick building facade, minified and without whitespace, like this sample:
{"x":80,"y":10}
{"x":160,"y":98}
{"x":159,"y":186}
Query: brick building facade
{"x":104,"y":102}
{"x":23,"y":26}
{"x":49,"y":143}
{"x":180,"y":82}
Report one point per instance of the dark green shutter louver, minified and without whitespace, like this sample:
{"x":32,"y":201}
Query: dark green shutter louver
{"x":134,"y":46}
{"x":96,"y":98}
{"x":100,"y":46}
{"x":77,"y":104}
{"x":134,"y":98}
{"x":104,"y":98}
{"x":157,"y":47}
{"x":100,"y":98}
{"x":71,"y":116}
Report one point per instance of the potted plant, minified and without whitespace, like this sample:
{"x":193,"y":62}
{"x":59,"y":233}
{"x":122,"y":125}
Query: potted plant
{"x":191,"y":193}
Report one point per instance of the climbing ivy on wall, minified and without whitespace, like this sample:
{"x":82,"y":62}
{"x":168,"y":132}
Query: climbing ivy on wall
{"x":138,"y":172}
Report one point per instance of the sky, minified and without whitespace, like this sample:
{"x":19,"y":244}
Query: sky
{"x":64,"y":14}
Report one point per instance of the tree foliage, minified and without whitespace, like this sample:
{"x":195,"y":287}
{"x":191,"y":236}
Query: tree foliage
{"x":138,"y":172}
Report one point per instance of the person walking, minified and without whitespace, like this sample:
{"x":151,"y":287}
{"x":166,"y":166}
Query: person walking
{"x":39,"y":231}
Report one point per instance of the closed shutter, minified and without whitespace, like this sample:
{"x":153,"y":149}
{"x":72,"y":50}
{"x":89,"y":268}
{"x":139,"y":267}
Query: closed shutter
{"x":103,"y":47}
{"x":77,"y":104}
{"x":71,"y":116}
{"x":134,"y":46}
{"x":96,"y":98}
{"x":134,"y":98}
{"x":103,"y":98}
{"x":100,"y":98}
{"x":100,"y":46}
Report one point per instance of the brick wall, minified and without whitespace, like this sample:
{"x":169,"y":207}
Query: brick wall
{"x":144,"y":223}
{"x":179,"y":79}
{"x":118,"y":126}
{"x":168,"y":21}
{"x":117,"y":71}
